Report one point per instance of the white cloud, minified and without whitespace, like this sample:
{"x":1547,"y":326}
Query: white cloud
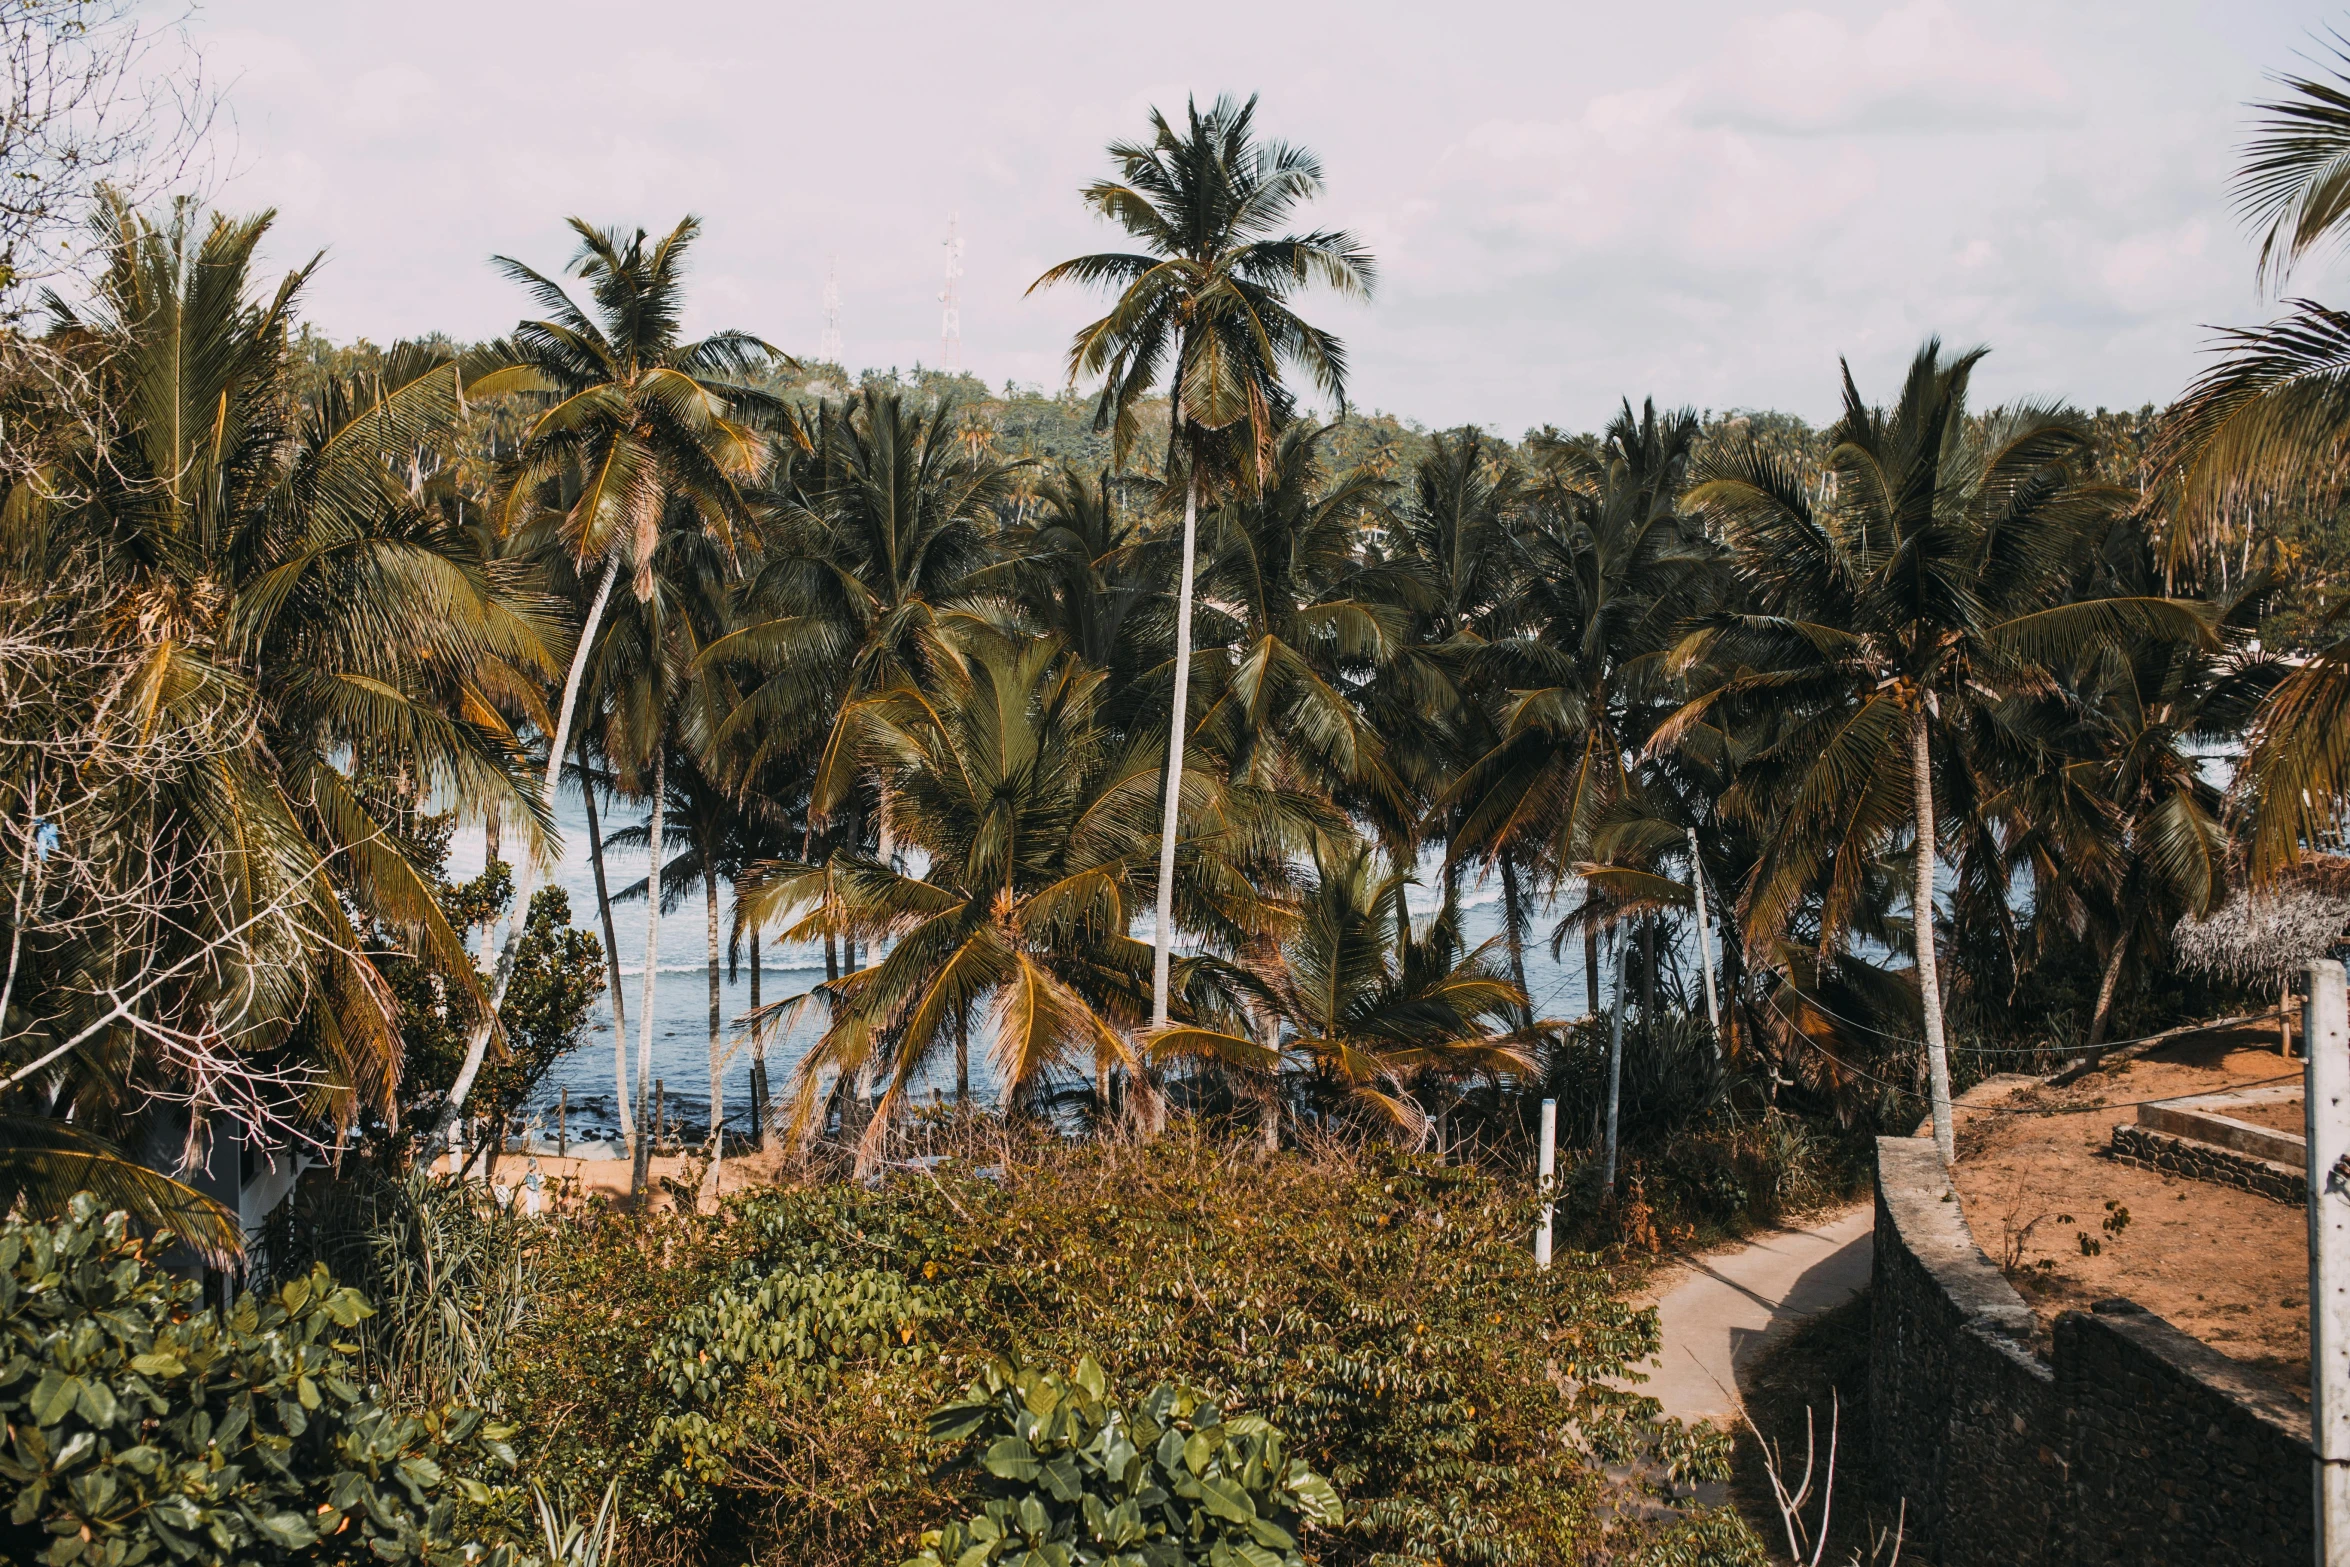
{"x":1699,"y":200}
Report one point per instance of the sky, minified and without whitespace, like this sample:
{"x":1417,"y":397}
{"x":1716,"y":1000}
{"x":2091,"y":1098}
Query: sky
{"x":1570,"y":203}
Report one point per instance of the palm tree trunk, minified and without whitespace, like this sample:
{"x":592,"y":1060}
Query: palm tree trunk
{"x":962,"y":1058}
{"x":1921,"y":766}
{"x":717,"y":1057}
{"x":641,"y":1169}
{"x":758,"y":1057}
{"x":1268,"y":1032}
{"x":1648,"y":978}
{"x":477,"y":1039}
{"x":587,"y":790}
{"x":1513,"y":914}
{"x":1163,"y":936}
{"x":1590,"y":972}
{"x":1705,"y":942}
{"x":489,"y":857}
{"x":1615,"y":1072}
{"x":2106,"y":987}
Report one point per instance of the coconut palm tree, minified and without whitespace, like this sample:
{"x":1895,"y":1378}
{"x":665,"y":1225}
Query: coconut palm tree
{"x":661,"y":706}
{"x":1607,"y":567}
{"x":1435,"y":705}
{"x":2119,"y":829}
{"x":1205,"y":302}
{"x":643,"y":433}
{"x":1300,"y":620}
{"x":2268,"y":426}
{"x":1939,"y":577}
{"x":1033,"y":824}
{"x":1076,"y":569}
{"x":301,"y":641}
{"x":1376,"y":1017}
{"x":876,"y":532}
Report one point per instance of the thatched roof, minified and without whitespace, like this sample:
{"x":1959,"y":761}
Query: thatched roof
{"x":2268,"y":935}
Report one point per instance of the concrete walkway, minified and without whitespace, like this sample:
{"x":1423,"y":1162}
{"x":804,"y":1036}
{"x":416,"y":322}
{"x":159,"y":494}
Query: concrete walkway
{"x":1714,"y":1312}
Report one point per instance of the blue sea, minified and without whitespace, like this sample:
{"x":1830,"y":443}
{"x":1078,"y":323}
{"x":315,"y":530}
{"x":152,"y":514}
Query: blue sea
{"x":681,"y":1033}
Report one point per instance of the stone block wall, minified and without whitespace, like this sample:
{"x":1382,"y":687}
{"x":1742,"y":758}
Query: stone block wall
{"x":1967,"y":1428}
{"x":2179,"y":1454}
{"x":2202,"y":1161}
{"x":2134,"y":1443}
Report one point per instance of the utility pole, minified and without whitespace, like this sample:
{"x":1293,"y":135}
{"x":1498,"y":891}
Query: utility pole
{"x":828,"y":348}
{"x":2325,"y":1049}
{"x":1705,"y":940}
{"x":950,"y":318}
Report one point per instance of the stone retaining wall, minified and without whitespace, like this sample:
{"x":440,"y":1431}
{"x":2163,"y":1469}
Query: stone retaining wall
{"x":2202,"y":1161}
{"x":2134,"y":1444}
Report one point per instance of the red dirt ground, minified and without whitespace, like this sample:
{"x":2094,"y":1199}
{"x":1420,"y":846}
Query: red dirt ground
{"x":2226,"y":1266}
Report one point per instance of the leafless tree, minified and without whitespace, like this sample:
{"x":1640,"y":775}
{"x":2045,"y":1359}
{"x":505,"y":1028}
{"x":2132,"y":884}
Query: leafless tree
{"x":114,"y":942}
{"x":1807,"y":1536}
{"x":97,"y":92}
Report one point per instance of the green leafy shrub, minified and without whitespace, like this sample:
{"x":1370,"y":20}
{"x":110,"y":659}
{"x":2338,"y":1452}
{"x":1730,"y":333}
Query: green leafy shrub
{"x":1382,"y":1313}
{"x":1075,"y":1479}
{"x":794,"y":1332}
{"x":143,"y":1426}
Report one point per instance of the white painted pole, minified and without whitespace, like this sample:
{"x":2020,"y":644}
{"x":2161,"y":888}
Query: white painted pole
{"x":2325,"y":1046}
{"x":1705,"y":940}
{"x":1546,"y":1172}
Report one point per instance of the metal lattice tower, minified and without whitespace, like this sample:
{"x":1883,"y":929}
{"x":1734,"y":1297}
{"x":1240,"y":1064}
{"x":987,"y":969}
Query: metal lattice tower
{"x":828,"y":350}
{"x":950,"y":318}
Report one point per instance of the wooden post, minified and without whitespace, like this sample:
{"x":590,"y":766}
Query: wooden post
{"x":2325,"y":1049}
{"x":563,"y":1124}
{"x":660,"y":1113}
{"x":1545,"y":1171}
{"x":1615,"y":1066}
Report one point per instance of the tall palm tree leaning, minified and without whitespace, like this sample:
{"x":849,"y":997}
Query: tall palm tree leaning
{"x":1208,"y":291}
{"x":1940,"y":576}
{"x":640,"y":426}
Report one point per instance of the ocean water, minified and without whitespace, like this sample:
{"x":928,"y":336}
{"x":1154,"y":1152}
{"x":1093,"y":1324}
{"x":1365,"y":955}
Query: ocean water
{"x":681,"y":1031}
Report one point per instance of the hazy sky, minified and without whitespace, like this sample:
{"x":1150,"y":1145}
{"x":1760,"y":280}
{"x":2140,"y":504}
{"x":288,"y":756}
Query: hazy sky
{"x":1569,"y":203}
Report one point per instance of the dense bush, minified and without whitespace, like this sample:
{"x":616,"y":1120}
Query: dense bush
{"x":792,"y":1332}
{"x":1382,"y":1313}
{"x":145,"y":1427}
{"x":1075,"y":1479}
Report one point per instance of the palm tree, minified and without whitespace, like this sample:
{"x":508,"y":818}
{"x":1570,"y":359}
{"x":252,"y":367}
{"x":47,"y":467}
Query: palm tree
{"x":302,"y":643}
{"x":662,"y":705}
{"x":2269,"y":426}
{"x":1206,"y":302}
{"x":1378,"y":1016}
{"x":642,"y":434}
{"x":1607,"y":568}
{"x":1305,"y":619}
{"x":876,"y":534}
{"x":1034,"y":825}
{"x":1434,"y":705}
{"x":2120,"y":830}
{"x":1939,"y":577}
{"x":1075,"y":568}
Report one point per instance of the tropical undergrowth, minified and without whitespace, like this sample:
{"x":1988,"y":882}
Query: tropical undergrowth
{"x":759,"y":1382}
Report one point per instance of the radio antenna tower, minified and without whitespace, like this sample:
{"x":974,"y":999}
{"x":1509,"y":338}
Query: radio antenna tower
{"x":950,"y":319}
{"x":828,"y":349}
